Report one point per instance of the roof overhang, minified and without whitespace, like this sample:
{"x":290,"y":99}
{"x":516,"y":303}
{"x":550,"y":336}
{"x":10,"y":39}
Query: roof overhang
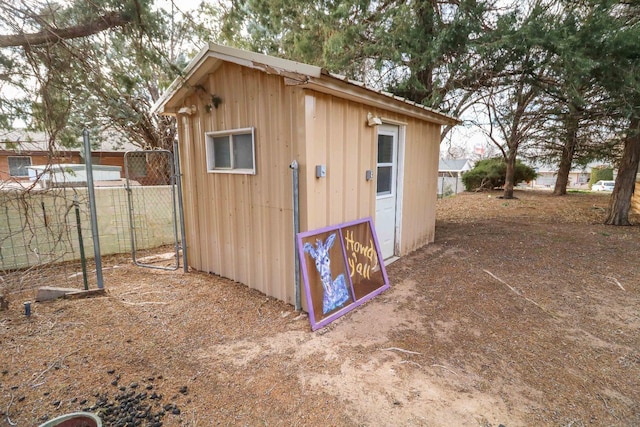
{"x":209,"y":59}
{"x":212,"y":56}
{"x":342,"y":87}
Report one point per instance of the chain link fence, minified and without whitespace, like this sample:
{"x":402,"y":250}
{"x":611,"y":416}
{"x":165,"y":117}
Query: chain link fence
{"x":449,"y":186}
{"x":46,"y":229}
{"x":151,"y":188}
{"x":43,"y":235}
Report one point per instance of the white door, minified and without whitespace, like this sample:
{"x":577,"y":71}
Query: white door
{"x":387,"y":194}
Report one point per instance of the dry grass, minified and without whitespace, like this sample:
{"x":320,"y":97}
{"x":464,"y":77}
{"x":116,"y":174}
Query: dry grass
{"x":448,"y":344}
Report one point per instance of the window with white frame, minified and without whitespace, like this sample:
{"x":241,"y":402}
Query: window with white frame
{"x":18,"y":165}
{"x":231,"y":151}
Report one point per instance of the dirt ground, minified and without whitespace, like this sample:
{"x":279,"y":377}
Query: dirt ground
{"x":522,"y":313}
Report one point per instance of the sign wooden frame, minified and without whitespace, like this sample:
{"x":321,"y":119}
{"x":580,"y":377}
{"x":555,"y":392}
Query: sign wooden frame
{"x":342,"y":268}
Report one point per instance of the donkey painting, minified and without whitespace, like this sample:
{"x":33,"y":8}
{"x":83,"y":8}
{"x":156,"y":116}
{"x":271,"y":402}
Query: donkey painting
{"x":335,"y":291}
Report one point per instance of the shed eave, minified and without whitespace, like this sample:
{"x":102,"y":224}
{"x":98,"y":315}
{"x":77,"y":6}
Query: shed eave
{"x":178,"y":89}
{"x":269,"y":64}
{"x":342,"y":88}
{"x":210,"y":58}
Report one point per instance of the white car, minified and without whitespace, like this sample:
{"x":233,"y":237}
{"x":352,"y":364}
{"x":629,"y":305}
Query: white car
{"x":603,"y":186}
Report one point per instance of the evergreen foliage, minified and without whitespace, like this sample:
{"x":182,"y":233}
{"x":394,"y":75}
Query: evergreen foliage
{"x":559,"y":78}
{"x":105,"y":80}
{"x":434,"y":53}
{"x":488,"y":174}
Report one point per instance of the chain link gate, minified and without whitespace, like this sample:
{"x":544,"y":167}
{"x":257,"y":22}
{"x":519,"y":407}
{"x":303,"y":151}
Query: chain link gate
{"x":151,"y":184}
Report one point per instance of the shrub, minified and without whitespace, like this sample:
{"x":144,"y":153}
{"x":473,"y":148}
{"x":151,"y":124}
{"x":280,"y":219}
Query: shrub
{"x":491,"y":173}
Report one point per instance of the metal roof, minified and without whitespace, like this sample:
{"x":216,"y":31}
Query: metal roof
{"x":210,"y":58}
{"x":21,"y":140}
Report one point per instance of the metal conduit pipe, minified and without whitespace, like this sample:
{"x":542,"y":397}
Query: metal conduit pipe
{"x":296,"y":230}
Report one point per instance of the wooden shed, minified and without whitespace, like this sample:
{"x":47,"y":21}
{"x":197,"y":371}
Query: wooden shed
{"x":243,"y":118}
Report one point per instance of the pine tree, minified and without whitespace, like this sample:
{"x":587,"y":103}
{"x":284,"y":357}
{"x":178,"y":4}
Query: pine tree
{"x":69,"y":73}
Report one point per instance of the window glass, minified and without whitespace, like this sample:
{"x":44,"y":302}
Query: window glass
{"x":231,"y":151}
{"x":384,"y":179}
{"x":221,"y":152}
{"x":18,"y":165}
{"x":385,"y":149}
{"x":243,"y":151}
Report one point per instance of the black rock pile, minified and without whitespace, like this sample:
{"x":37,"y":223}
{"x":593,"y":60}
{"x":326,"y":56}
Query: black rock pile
{"x":133,"y":406}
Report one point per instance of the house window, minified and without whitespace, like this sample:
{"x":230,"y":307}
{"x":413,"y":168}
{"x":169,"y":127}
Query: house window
{"x":18,"y":165}
{"x":231,"y":151}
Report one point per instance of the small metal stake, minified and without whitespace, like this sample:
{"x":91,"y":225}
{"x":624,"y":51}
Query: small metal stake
{"x":27,"y":308}
{"x":83,"y":258}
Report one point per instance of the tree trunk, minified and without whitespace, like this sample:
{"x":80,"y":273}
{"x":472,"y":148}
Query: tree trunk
{"x":562,"y":180}
{"x":510,"y":174}
{"x":425,"y":14}
{"x":625,"y":182}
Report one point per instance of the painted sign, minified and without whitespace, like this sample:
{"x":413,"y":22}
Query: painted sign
{"x":341,"y":268}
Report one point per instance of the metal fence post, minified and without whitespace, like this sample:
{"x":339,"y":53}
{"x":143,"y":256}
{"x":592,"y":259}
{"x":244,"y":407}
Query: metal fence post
{"x":92,"y":208}
{"x":178,"y":173}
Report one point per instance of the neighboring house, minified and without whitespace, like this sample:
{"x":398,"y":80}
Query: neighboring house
{"x":20,"y":150}
{"x":547,"y":175}
{"x":243,"y":118}
{"x":450,"y":173}
{"x":22,"y":153}
{"x":74,"y":175}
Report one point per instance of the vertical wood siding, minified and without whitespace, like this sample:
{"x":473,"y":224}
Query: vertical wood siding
{"x":337,"y":136}
{"x":422,"y":150}
{"x":240,"y":226}
{"x":635,"y":199}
